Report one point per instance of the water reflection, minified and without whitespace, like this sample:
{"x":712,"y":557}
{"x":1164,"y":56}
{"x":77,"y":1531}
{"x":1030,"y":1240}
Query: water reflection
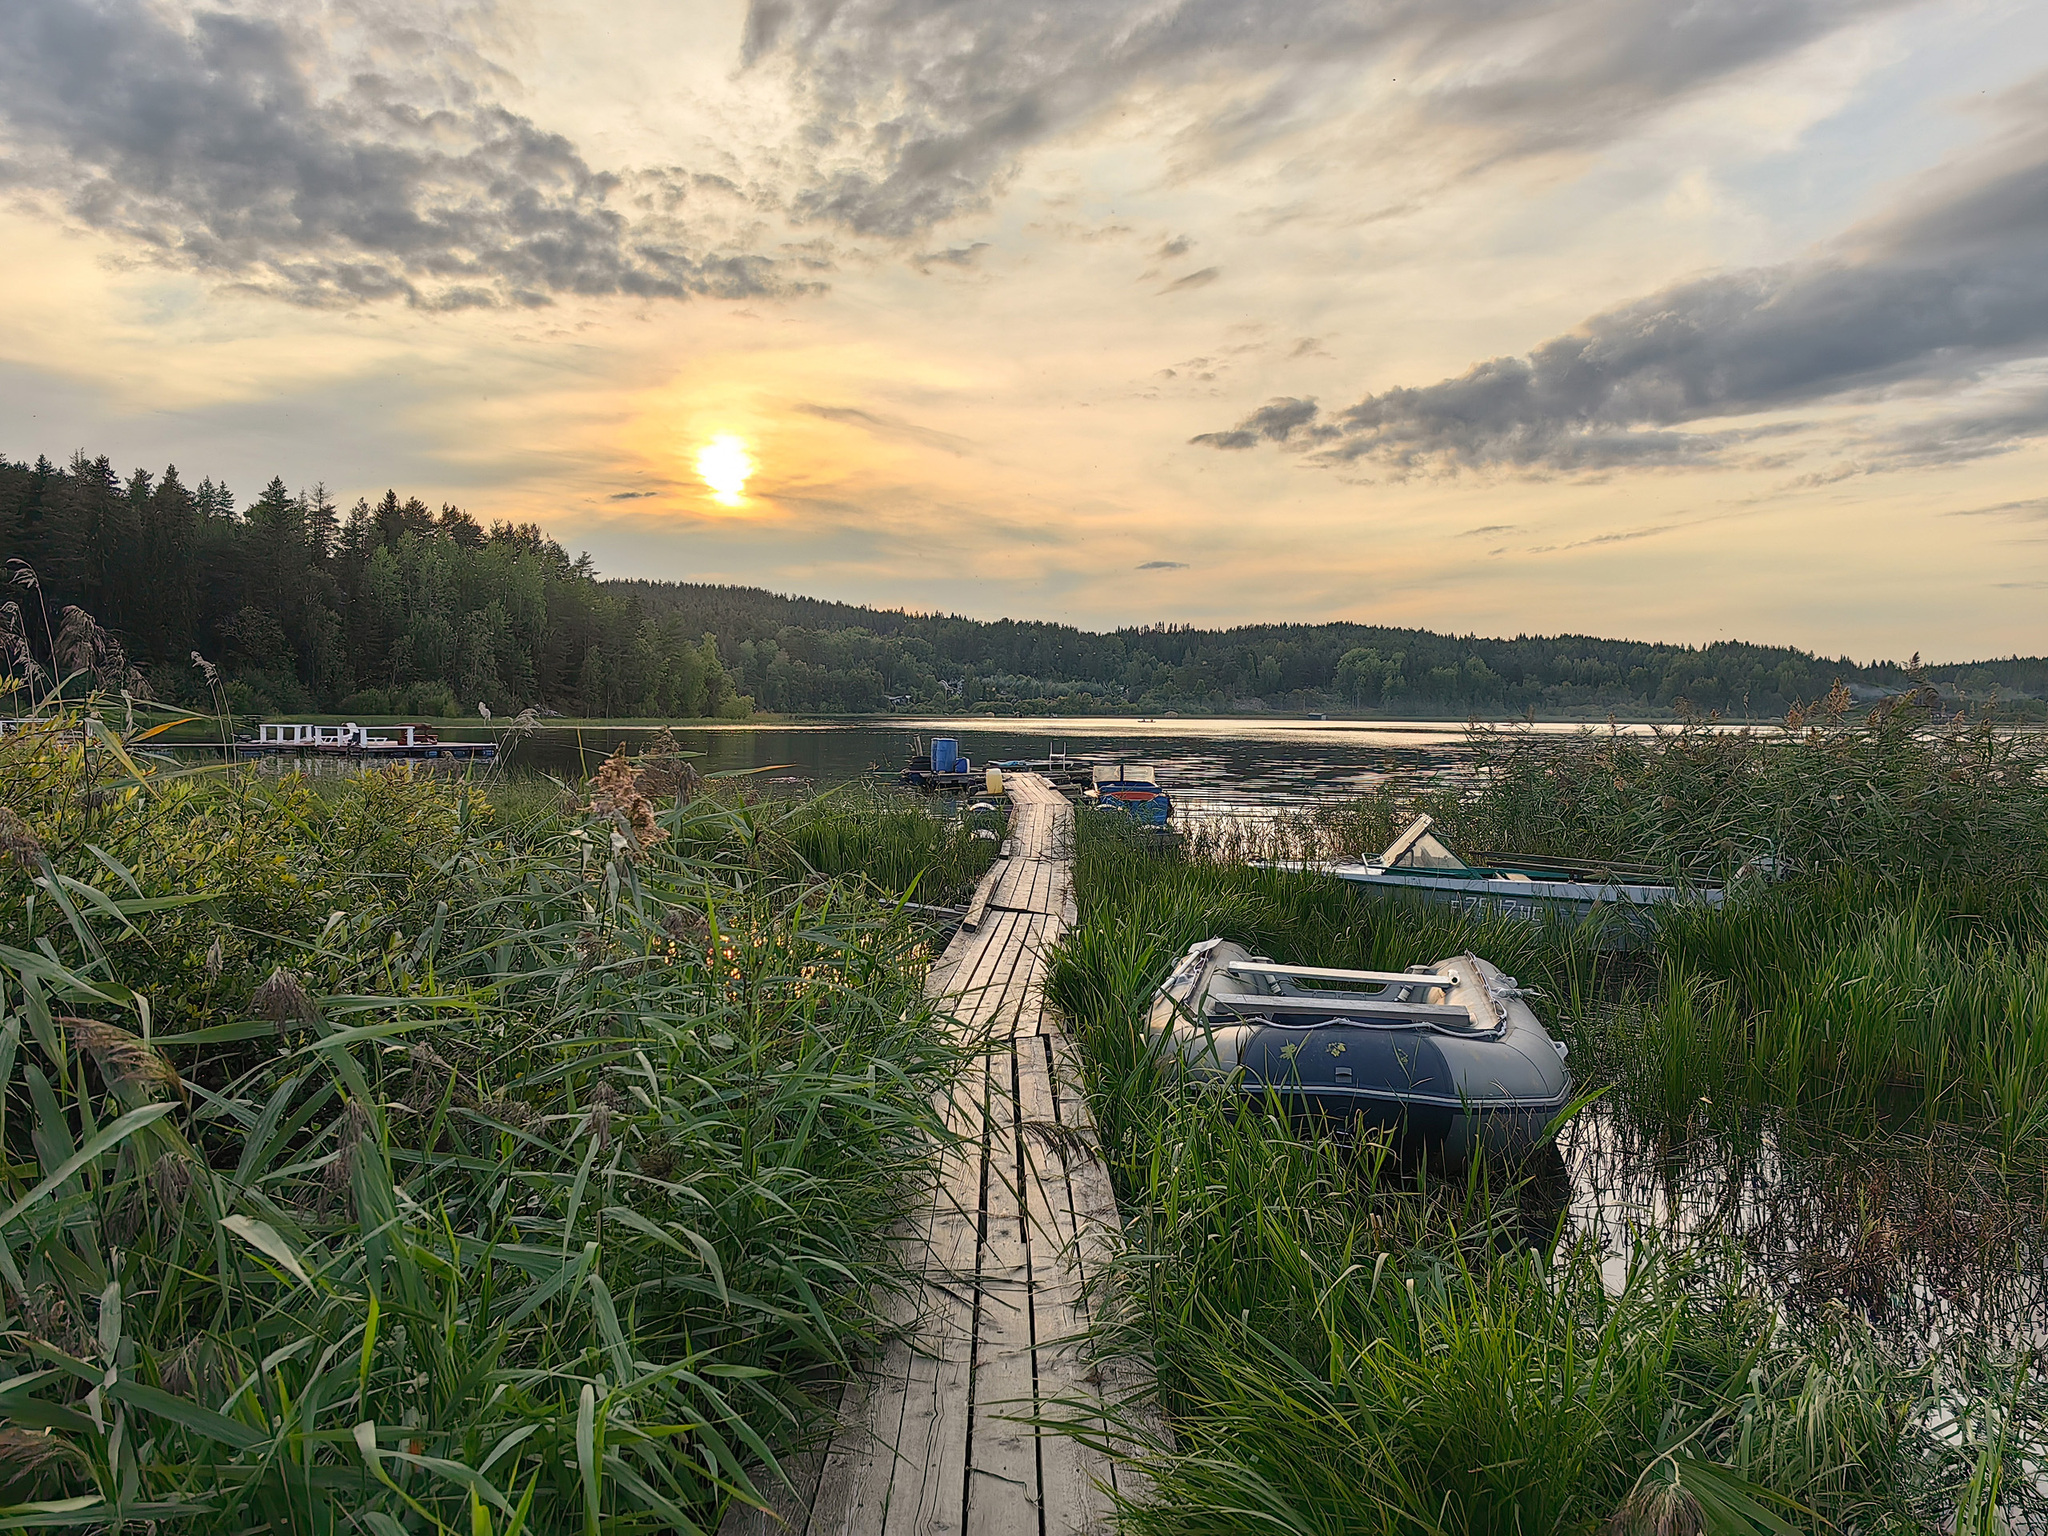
{"x":1929,"y":1240}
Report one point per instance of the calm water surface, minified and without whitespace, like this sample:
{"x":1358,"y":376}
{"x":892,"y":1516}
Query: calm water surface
{"x":1213,"y":767}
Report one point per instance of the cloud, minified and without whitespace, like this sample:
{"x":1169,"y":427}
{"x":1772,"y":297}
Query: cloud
{"x":1490,"y":528}
{"x":1628,"y":537}
{"x":1164,"y":565}
{"x":335,"y":159}
{"x":2034,"y":509}
{"x":879,"y":425}
{"x":1178,"y":246}
{"x":1937,"y":295}
{"x":916,"y":111}
{"x":630,"y":495}
{"x":1308,"y":346}
{"x":954,"y":256}
{"x":1200,"y":279}
{"x":1276,"y":421}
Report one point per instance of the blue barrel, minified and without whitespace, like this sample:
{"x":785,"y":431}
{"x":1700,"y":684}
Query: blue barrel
{"x":945,"y":754}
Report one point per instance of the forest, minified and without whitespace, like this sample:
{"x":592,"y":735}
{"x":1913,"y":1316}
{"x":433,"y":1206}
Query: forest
{"x":391,"y":608}
{"x":292,"y":605}
{"x":796,"y":654}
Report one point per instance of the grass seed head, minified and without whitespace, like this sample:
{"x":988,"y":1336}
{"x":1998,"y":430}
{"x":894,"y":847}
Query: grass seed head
{"x":431,"y":1075}
{"x":1659,"y":1507}
{"x":171,"y":1177}
{"x":283,"y":999}
{"x":616,"y":793}
{"x":17,"y":843}
{"x":129,"y":1065}
{"x":25,"y":1452}
{"x":604,"y":1101}
{"x":506,"y":1110}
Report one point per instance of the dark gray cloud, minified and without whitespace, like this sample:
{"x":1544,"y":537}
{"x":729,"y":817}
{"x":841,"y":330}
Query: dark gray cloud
{"x":1935,"y":296}
{"x":917,"y":110}
{"x":242,"y":145}
{"x":1164,"y":565}
{"x":631,"y":495}
{"x":1201,"y":279}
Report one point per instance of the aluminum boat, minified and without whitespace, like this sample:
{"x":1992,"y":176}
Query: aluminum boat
{"x":1512,"y":885}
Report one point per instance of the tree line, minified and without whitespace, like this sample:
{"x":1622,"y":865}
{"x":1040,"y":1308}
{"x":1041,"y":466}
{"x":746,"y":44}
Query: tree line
{"x":389,"y":608}
{"x":394,"y":607}
{"x":798,"y":653}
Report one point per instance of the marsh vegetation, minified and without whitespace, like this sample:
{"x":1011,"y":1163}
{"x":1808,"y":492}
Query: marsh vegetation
{"x":411,"y":1154}
{"x":1785,"y":1272}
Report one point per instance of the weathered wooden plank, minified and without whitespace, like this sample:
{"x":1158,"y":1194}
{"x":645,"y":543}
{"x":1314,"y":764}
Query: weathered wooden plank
{"x":1075,"y":1477}
{"x":930,"y":1488}
{"x":1003,"y":1492}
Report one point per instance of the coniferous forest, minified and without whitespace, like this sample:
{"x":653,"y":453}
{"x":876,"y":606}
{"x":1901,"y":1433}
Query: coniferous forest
{"x":391,"y":608}
{"x":394,"y":607}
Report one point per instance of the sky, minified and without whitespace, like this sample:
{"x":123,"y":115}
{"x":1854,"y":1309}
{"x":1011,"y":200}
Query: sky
{"x":1676,"y":322}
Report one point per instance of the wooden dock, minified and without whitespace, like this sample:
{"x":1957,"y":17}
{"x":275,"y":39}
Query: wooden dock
{"x":936,"y":1439}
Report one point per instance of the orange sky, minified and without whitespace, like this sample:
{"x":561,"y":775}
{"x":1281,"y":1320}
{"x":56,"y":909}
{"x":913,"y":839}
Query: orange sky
{"x":966,"y":290}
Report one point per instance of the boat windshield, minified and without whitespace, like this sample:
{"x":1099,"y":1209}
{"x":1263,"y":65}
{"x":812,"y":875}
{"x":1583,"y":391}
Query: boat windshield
{"x":1418,"y":848}
{"x":1427,"y":853}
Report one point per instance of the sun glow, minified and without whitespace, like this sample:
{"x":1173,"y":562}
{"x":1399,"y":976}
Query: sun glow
{"x":724,"y":464}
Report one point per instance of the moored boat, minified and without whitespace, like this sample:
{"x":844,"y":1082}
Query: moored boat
{"x":274,"y":737}
{"x":1447,"y":1059}
{"x":1132,"y":788}
{"x":1418,"y":864}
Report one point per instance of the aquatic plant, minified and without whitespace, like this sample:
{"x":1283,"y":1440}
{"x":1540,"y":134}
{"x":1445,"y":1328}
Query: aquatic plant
{"x":372,"y":1160}
{"x":1342,"y":1346}
{"x":1896,"y":793}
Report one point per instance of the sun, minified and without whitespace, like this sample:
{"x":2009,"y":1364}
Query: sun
{"x":724,"y":464}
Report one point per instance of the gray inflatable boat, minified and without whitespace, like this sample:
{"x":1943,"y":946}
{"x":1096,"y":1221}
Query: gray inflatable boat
{"x":1447,"y":1058}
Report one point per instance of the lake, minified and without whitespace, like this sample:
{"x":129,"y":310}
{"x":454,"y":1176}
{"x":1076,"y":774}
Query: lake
{"x":1235,"y":766}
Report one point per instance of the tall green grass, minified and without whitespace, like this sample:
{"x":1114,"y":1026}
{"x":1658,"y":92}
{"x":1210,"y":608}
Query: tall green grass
{"x":1344,"y":1348}
{"x":1891,"y":793}
{"x":375,"y":1161}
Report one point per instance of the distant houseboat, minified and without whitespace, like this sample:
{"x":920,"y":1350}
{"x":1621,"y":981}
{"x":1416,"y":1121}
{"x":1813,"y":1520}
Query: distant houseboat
{"x":283,"y":737}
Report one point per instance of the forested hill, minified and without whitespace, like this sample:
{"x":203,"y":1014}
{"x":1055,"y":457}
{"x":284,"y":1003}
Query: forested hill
{"x":398,"y":608}
{"x":798,"y":653}
{"x":391,"y":608}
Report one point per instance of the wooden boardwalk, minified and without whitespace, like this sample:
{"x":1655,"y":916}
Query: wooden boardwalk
{"x":935,"y":1440}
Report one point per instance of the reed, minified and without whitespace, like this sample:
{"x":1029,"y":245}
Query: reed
{"x":377,"y":1159}
{"x":1890,"y":793}
{"x":1345,"y":1347}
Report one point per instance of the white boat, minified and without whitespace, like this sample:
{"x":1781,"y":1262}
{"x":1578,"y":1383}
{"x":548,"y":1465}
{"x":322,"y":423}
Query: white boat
{"x":353,"y":740}
{"x":1418,"y":864}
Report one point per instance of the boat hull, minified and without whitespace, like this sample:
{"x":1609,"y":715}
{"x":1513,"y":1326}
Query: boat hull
{"x":1454,"y":1133}
{"x":1492,"y":1084}
{"x":1531,"y":901}
{"x":1146,"y":804}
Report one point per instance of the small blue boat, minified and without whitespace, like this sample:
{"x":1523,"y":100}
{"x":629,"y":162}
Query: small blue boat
{"x":1132,"y":788}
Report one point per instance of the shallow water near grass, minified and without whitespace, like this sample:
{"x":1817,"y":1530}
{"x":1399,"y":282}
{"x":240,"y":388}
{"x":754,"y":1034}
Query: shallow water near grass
{"x":1928,"y":1240}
